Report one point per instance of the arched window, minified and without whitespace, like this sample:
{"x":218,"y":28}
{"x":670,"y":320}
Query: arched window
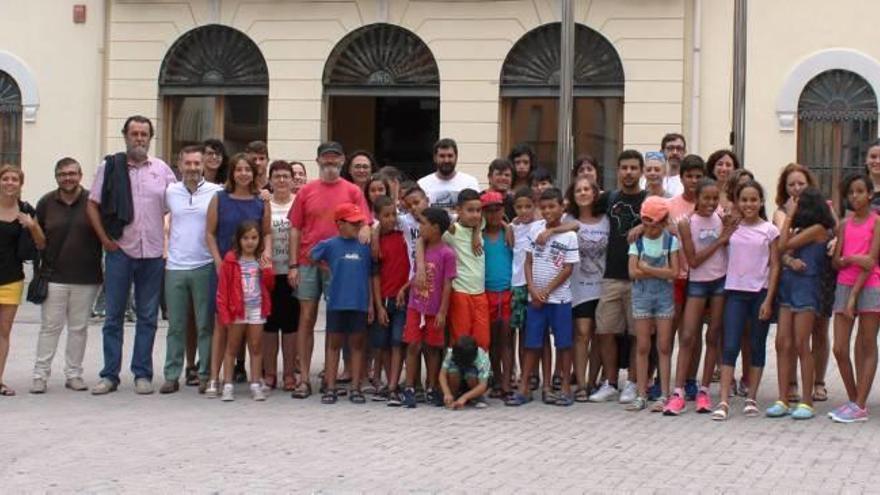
{"x":837,"y":120}
{"x":215,"y":84}
{"x":383,"y":95}
{"x":10,"y":120}
{"x":530,"y":92}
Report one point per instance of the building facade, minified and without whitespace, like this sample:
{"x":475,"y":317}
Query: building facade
{"x":392,"y":76}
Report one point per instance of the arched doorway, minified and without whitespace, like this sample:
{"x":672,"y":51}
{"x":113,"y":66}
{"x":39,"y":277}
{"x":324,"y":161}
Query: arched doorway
{"x":10,"y":120}
{"x":530,"y":96}
{"x":837,"y":122}
{"x":382,"y":88}
{"x":215,"y":84}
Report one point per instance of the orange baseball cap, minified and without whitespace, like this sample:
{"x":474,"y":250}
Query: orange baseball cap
{"x":655,"y":208}
{"x":349,"y":212}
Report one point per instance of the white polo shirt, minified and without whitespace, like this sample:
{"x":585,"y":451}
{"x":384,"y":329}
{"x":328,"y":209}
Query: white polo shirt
{"x":187,"y":249}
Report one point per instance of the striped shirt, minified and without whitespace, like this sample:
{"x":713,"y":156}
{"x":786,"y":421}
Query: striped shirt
{"x":549,"y":259}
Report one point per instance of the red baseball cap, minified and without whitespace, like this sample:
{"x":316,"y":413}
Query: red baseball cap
{"x":491,"y":198}
{"x":349,"y":212}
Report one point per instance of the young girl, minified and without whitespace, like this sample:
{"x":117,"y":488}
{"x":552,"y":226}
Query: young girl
{"x":857,"y":294}
{"x":803,"y":237}
{"x":704,"y":237}
{"x":655,"y":173}
{"x":749,"y":290}
{"x":376,"y":186}
{"x":586,"y":280}
{"x":243,"y":302}
{"x":872,"y":167}
{"x":653,"y":264}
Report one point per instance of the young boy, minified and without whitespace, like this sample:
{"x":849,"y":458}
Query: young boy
{"x":524,"y":204}
{"x":390,"y":284}
{"x":428,"y":305}
{"x":548,"y":269}
{"x":499,"y":270}
{"x":465,"y":375}
{"x":415,"y":201}
{"x":469,"y":307}
{"x":348,"y":301}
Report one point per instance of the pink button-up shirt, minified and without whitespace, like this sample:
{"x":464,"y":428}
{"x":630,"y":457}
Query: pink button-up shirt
{"x":144,"y":237}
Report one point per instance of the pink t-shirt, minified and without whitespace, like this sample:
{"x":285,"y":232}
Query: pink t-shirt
{"x":679,"y":208}
{"x":440,"y":266}
{"x":704,"y":232}
{"x":313,"y":212}
{"x":748,"y":263}
{"x":857,"y":239}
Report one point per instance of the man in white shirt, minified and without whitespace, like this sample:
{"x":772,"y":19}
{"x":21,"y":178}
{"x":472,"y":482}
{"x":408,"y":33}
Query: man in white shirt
{"x":443,"y":186}
{"x":190,"y":276}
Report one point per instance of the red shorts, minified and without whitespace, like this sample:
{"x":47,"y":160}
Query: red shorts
{"x":421,"y":328}
{"x":469,"y":315}
{"x":679,"y":292}
{"x":499,"y":306}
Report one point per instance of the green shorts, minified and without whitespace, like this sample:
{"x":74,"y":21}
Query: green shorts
{"x":518,"y":304}
{"x":313,"y":282}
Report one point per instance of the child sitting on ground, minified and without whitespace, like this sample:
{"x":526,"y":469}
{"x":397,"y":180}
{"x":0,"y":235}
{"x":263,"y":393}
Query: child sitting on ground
{"x":464,"y":376}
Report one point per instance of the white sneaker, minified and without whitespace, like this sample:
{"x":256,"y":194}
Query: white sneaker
{"x":228,"y":393}
{"x":605,"y":393}
{"x":629,"y":394}
{"x":257,"y":392}
{"x":211,"y":390}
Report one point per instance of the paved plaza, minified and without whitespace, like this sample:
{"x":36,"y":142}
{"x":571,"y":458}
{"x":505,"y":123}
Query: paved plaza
{"x":65,"y":441}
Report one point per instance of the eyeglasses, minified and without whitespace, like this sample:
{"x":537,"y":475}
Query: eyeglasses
{"x":64,"y":175}
{"x":212,"y":153}
{"x":674,"y":148}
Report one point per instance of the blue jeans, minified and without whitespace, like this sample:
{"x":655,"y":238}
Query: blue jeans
{"x":120,"y":271}
{"x":740,"y":308}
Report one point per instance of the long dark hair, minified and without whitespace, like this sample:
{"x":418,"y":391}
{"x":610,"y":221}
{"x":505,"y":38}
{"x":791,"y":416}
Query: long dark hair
{"x":572,"y":207}
{"x":756,"y":186}
{"x":230,"y":179}
{"x":523,"y":149}
{"x":713,"y":159}
{"x":812,"y":209}
{"x":223,"y":170}
{"x":243,"y":228}
{"x":366,"y":189}
{"x":346,"y":168}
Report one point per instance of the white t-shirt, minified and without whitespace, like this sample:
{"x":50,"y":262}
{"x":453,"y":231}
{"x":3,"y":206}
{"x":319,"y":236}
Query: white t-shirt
{"x":410,"y":228}
{"x":280,"y":236}
{"x":671,"y":185}
{"x":586,"y":279}
{"x":520,"y":243}
{"x":187,"y":249}
{"x":548,"y":260}
{"x":444,"y":193}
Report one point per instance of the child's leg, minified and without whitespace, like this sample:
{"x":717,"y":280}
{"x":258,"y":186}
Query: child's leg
{"x":335,"y":341}
{"x":713,"y":338}
{"x":432,"y":361}
{"x":395,"y":368}
{"x":821,"y":348}
{"x":529,"y":362}
{"x":255,"y":349}
{"x":561,"y":322}
{"x":759,"y":329}
{"x":503,"y":340}
{"x":413,"y":356}
{"x":357,"y":341}
{"x":735,"y":319}
{"x":644,"y":329}
{"x":270,"y":354}
{"x":218,"y":344}
{"x":746,"y":351}
{"x":595,"y":360}
{"x":784,"y":346}
{"x":803,"y":333}
{"x":546,"y":364}
{"x":288,"y":354}
{"x":841,"y":347}
{"x":233,"y":343}
{"x":692,"y":321}
{"x":867,"y":341}
{"x":583,"y":331}
{"x":665,"y":339}
{"x":495,"y":352}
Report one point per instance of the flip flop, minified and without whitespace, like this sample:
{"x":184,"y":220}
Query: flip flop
{"x":6,"y":391}
{"x":302,"y":391}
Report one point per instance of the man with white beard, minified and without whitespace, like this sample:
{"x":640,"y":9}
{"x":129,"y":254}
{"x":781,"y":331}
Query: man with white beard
{"x":126,"y":209}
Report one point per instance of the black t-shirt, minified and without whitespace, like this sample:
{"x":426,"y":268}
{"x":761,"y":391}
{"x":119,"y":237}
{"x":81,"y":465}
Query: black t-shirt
{"x":623,"y":212}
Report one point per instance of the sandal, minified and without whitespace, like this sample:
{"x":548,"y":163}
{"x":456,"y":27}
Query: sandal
{"x":556,"y":383}
{"x":533,"y":382}
{"x":289,"y":384}
{"x":750,"y":410}
{"x":582,"y":395}
{"x":721,"y":412}
{"x":496,"y":393}
{"x":192,"y":376}
{"x":517,"y":399}
{"x":329,"y":397}
{"x":357,"y":397}
{"x":548,"y":397}
{"x":564,"y":400}
{"x":302,"y":391}
{"x":271,"y":380}
{"x":6,"y":391}
{"x":820,"y":393}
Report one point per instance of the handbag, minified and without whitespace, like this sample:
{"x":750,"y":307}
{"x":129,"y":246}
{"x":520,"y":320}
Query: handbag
{"x":38,"y":288}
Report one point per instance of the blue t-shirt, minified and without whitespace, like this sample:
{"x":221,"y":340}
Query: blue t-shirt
{"x":499,"y":263}
{"x":350,"y":265}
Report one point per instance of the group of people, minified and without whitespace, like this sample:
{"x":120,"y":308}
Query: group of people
{"x":439,"y":292}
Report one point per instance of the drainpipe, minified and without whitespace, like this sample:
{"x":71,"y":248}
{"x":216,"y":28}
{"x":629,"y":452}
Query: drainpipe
{"x":103,"y":84}
{"x":565,"y":137}
{"x":740,"y":31}
{"x":696,"y":58}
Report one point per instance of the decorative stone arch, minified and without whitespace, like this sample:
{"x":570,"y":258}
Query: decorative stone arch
{"x":813,"y":65}
{"x":27,"y":84}
{"x":214,"y":59}
{"x":379,"y":59}
{"x":532,"y":66}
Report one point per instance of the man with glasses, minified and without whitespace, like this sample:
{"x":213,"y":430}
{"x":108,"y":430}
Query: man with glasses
{"x":72,"y":286}
{"x":311,"y":221}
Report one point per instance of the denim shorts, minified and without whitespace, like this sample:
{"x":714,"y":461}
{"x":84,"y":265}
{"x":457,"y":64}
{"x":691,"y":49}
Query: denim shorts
{"x":382,"y":337}
{"x":550,"y":316}
{"x":800,"y":293}
{"x":711,"y":288}
{"x":868,"y":301}
{"x":653,"y":298}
